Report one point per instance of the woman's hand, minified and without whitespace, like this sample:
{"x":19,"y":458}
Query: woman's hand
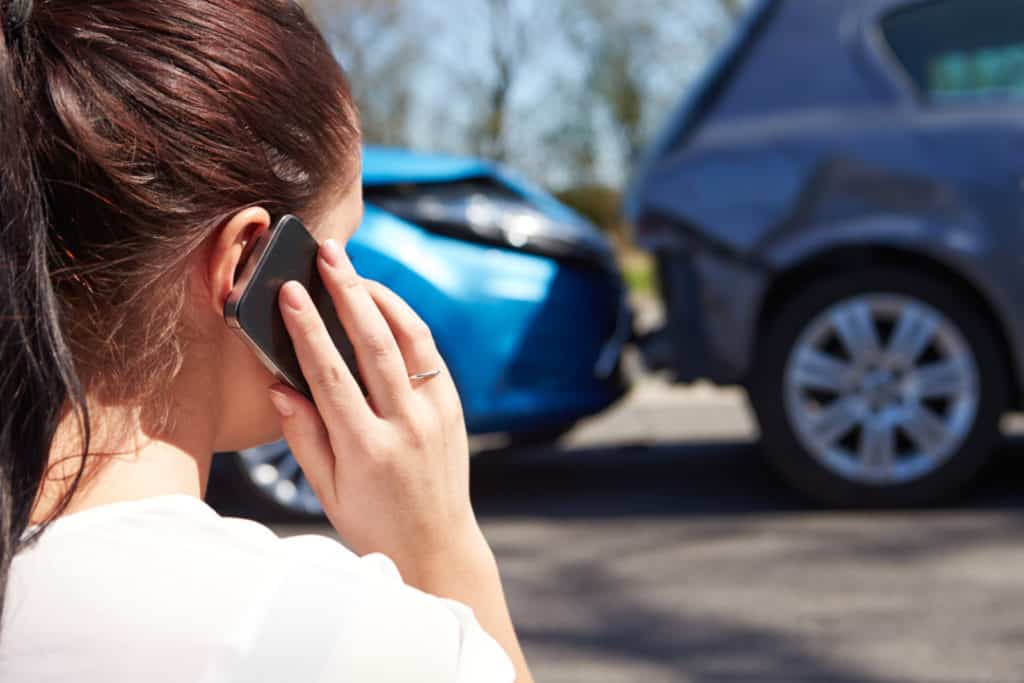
{"x":391,"y":469}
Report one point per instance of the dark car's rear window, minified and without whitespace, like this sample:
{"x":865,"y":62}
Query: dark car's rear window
{"x":961,"y":49}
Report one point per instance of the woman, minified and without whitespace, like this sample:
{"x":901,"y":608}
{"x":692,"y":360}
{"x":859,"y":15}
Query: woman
{"x":145,"y":146}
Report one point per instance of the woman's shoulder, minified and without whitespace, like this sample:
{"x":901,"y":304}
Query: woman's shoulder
{"x":207,"y":594}
{"x":177,"y":544}
{"x":167,"y":530}
{"x":167,"y":575}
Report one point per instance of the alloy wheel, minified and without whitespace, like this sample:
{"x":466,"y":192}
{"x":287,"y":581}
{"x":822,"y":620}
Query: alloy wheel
{"x":882,"y":389}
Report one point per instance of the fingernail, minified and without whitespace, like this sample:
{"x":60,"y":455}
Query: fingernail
{"x":293,"y":296}
{"x":332,"y":252}
{"x":282,"y":403}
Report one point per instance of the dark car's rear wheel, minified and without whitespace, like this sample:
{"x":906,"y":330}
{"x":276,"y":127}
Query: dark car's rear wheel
{"x":879,"y":387}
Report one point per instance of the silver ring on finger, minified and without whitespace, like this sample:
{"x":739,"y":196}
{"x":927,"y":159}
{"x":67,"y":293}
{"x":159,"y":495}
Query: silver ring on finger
{"x":425,"y":376}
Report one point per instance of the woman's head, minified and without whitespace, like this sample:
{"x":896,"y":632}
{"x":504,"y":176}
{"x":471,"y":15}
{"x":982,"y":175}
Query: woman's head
{"x":143,"y":145}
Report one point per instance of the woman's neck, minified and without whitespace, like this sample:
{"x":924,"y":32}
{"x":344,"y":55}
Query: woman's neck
{"x":125,"y":462}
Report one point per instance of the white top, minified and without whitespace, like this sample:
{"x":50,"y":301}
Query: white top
{"x":165,"y":589}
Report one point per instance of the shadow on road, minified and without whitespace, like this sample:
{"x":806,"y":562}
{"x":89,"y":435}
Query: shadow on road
{"x":675,"y":479}
{"x":671,"y":643}
{"x":799,"y":598}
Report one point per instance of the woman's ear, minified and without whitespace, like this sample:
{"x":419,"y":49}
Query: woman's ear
{"x":231,"y":245}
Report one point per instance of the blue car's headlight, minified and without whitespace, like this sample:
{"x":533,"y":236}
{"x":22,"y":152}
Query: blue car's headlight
{"x":485,"y":211}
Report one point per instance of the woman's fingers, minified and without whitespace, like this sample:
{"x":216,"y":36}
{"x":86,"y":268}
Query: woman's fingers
{"x":335,"y":390}
{"x":412,"y":334}
{"x":418,"y":347}
{"x":308,"y":440}
{"x":380,"y":361}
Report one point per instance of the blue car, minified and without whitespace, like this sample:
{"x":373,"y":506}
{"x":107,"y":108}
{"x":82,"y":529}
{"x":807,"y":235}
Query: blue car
{"x":524,"y":297}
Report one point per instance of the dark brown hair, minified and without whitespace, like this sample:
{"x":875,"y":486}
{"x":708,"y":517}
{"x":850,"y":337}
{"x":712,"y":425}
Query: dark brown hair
{"x":129,"y":131}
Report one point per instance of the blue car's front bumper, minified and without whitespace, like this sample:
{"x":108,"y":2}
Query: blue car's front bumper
{"x":531,"y":342}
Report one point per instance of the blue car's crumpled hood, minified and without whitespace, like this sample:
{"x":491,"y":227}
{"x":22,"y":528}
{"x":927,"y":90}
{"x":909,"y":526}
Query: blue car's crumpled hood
{"x":388,"y":166}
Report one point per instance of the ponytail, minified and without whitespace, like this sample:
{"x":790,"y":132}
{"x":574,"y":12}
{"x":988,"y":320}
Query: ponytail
{"x":37,"y":376}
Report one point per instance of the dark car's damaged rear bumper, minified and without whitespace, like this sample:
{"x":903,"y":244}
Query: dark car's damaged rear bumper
{"x":711,"y":308}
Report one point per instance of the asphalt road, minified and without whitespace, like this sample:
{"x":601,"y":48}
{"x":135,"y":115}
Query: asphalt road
{"x":656,"y":546}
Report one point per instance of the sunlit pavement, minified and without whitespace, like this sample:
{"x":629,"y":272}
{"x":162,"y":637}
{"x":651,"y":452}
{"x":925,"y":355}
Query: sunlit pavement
{"x":656,"y":546}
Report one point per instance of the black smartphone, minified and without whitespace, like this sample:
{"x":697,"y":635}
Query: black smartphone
{"x":284,"y":253}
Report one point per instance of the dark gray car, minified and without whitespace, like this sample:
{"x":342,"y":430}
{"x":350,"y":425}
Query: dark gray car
{"x":837,"y":213}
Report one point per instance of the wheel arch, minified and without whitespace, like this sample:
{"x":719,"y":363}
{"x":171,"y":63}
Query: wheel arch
{"x":850,"y":257}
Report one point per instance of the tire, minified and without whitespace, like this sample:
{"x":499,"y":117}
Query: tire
{"x":238,"y":490}
{"x":895,"y":456}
